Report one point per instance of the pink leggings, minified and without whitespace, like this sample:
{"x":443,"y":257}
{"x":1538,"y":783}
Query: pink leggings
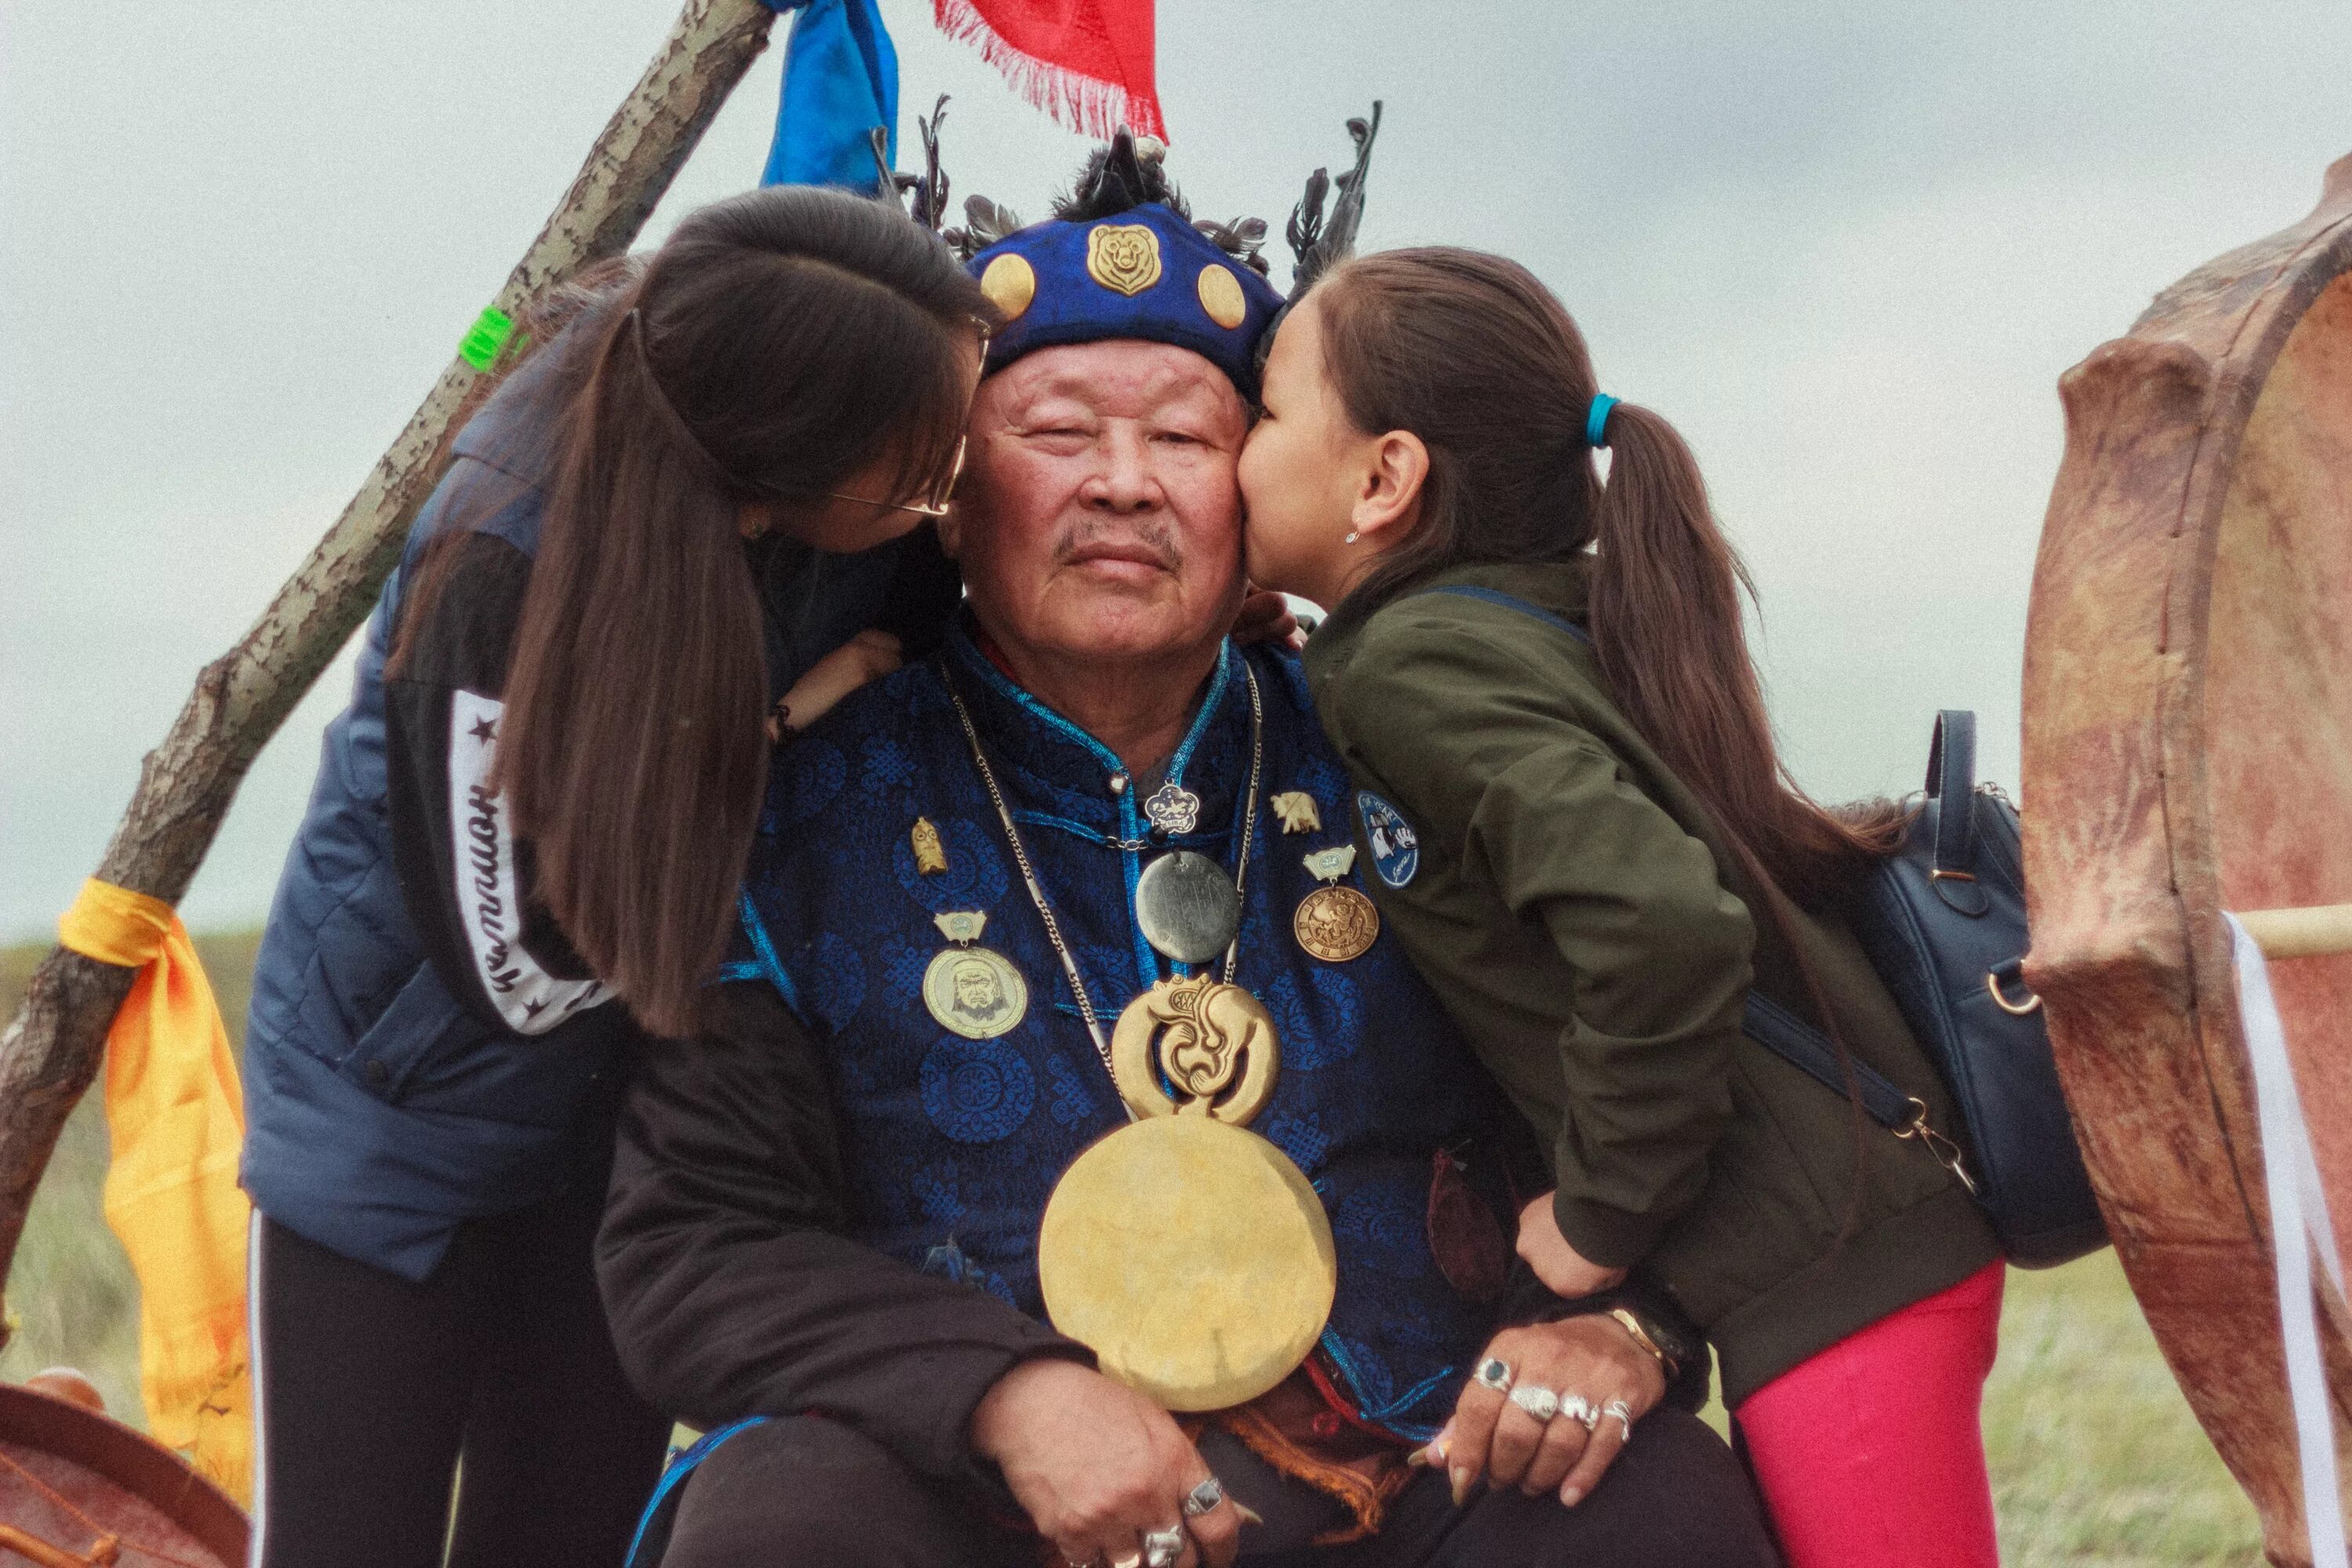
{"x":1871,"y":1454}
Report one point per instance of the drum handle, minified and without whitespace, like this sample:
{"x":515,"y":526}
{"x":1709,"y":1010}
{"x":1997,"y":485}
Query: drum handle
{"x":106,"y":1550}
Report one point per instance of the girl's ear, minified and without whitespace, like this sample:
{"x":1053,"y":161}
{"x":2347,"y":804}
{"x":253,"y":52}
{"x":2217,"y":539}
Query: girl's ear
{"x":1388,"y":502}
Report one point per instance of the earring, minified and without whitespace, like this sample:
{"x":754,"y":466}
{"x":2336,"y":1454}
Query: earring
{"x":1351,"y":537}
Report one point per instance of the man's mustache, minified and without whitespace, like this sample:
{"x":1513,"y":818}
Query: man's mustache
{"x":1153,"y":541}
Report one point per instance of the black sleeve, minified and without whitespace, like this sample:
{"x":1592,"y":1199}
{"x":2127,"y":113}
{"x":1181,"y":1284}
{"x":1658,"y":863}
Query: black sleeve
{"x":924,"y":591}
{"x":465,"y":877}
{"x":730,"y":1289}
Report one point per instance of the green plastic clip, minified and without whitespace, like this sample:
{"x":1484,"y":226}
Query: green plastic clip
{"x":488,"y":339}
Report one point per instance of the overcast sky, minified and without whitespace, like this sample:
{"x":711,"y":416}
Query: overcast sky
{"x":1847,"y":248}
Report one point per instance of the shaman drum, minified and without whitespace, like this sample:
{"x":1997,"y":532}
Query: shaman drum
{"x":2187,"y":750}
{"x":71,"y":1480}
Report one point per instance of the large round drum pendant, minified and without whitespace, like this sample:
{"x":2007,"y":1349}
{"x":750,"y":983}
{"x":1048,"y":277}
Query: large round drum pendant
{"x":1187,"y":907}
{"x":1192,"y":1256}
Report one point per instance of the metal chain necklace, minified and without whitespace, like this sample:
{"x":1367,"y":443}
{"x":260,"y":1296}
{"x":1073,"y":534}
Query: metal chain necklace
{"x":1036,"y":889}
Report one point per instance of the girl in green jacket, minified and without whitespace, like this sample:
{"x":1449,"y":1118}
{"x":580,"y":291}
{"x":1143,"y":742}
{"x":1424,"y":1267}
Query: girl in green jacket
{"x":1575,"y":820}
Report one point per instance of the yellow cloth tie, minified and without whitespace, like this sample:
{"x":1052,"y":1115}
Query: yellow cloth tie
{"x":176,"y":1117}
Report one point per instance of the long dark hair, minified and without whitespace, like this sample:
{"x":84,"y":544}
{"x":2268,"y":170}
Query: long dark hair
{"x":1473,"y":354}
{"x":776,"y":344}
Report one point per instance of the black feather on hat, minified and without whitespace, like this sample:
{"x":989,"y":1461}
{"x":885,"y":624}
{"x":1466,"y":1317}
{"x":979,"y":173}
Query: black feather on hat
{"x":1320,"y":245}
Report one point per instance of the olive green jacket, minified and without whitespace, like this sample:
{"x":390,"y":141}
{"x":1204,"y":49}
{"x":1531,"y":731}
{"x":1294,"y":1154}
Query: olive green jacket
{"x":1574,"y":906}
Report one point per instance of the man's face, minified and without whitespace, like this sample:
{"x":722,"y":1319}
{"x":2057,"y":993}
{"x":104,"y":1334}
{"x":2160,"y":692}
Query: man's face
{"x":975,"y":989}
{"x":1099,"y":517}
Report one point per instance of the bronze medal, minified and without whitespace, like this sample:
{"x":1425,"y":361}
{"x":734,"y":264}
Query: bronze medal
{"x":1335,"y":923}
{"x":973,"y":991}
{"x":1190,"y":1255}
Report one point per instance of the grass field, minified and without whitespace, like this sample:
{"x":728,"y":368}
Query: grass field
{"x":2096,"y":1459}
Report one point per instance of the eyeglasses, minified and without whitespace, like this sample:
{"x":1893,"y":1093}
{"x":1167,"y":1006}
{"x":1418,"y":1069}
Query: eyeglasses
{"x":933,"y":505}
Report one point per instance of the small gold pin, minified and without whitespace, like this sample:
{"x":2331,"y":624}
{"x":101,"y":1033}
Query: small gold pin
{"x":1295,"y":808}
{"x":931,"y":854}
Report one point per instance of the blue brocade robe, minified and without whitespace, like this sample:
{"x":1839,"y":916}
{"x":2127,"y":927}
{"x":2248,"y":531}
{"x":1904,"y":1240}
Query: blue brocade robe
{"x":953,"y":1145}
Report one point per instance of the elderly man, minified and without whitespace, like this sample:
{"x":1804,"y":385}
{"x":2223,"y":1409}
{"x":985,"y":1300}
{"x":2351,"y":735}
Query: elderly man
{"x":839,"y":1219}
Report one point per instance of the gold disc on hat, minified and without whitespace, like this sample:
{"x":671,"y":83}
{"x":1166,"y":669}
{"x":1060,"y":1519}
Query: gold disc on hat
{"x":1192,"y":1256}
{"x":1220,"y":295}
{"x":1010,"y":283}
{"x":1336,"y":924}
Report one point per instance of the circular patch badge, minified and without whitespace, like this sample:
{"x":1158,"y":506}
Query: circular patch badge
{"x":1396,"y":850}
{"x":976,"y":992}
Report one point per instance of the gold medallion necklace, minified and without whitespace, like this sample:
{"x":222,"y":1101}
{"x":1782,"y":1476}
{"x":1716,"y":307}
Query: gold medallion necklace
{"x":1190,"y":1254}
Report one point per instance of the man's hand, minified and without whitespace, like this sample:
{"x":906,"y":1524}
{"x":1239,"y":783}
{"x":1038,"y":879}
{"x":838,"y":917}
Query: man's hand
{"x":1096,"y":1465}
{"x":1566,"y":1271}
{"x":1491,"y":1438}
{"x":868,"y":656}
{"x":1265,"y":617}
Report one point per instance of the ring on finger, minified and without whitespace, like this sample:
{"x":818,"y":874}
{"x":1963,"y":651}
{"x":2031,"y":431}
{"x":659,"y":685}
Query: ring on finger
{"x":1579,"y":1409}
{"x":1163,"y":1547}
{"x":1625,"y":1414}
{"x":1203,"y":1498}
{"x":1494,"y":1372}
{"x":1542,"y":1403}
{"x":1132,"y":1560}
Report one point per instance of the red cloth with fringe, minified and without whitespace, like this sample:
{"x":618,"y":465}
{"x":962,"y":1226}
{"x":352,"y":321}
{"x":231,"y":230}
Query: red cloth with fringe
{"x":1087,"y":63}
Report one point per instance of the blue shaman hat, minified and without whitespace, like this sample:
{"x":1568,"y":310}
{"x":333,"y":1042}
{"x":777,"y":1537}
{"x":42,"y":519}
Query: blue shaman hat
{"x":1143,"y":272}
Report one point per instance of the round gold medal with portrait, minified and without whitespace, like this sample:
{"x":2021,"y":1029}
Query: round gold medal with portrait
{"x":973,"y":991}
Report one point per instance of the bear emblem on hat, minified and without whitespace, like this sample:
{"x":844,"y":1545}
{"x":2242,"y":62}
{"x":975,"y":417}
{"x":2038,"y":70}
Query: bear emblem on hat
{"x":1123,"y":257}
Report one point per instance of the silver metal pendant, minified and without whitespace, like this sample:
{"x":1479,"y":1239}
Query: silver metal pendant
{"x":1173,"y":808}
{"x":1187,"y":907}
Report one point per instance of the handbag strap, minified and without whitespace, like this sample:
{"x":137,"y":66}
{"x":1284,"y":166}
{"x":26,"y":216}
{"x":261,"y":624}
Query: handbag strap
{"x":1809,"y":1050}
{"x":1952,"y":781}
{"x":1512,"y":601}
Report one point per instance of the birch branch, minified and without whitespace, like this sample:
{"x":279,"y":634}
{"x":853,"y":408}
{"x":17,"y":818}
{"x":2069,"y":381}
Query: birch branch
{"x":51,"y":1051}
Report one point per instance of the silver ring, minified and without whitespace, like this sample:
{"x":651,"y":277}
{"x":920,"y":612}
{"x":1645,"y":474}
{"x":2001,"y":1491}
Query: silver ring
{"x":1163,"y":1547}
{"x":1579,"y":1409}
{"x":1625,"y":1414}
{"x":1540,"y":1403}
{"x":1494,"y":1372}
{"x":1203,"y":1498}
{"x":1132,"y":1560}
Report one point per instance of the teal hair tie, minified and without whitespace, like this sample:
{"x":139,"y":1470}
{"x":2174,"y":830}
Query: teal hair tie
{"x":1596,"y":420}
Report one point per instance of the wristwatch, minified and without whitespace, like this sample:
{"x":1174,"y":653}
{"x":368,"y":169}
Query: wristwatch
{"x":1668,"y":1347}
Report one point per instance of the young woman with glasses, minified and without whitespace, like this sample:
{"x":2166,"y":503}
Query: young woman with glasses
{"x":690,"y":508}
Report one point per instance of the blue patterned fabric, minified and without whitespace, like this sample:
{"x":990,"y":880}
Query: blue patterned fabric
{"x":1075,"y":295}
{"x":953,"y":1145}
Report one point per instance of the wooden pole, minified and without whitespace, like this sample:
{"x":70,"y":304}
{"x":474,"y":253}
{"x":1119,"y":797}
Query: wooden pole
{"x":51,"y":1051}
{"x":2311,"y":933}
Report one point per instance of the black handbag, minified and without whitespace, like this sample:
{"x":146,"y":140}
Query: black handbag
{"x":1943,"y":922}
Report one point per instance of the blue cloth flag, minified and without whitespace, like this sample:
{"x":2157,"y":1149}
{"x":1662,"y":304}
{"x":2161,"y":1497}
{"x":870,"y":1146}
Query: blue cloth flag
{"x":841,"y":81}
